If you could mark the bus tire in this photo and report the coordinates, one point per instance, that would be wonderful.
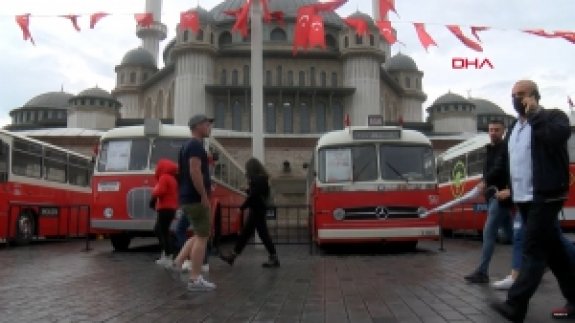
(120, 241)
(25, 227)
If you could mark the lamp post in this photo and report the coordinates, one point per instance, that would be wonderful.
(257, 81)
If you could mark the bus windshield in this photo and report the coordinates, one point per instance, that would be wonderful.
(408, 163)
(344, 164)
(166, 148)
(122, 155)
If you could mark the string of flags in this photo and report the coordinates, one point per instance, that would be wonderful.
(309, 30)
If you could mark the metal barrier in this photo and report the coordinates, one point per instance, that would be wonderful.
(15, 209)
(287, 224)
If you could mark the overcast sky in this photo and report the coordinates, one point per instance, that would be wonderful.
(75, 61)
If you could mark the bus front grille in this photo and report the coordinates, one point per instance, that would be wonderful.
(381, 213)
(138, 200)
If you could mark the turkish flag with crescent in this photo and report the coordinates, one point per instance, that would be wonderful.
(190, 20)
(387, 31)
(465, 40)
(302, 27)
(144, 19)
(24, 22)
(317, 32)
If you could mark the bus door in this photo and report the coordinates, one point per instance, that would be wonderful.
(4, 162)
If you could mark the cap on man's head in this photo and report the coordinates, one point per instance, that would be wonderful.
(198, 119)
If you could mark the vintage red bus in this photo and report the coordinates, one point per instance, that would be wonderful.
(44, 190)
(460, 169)
(371, 184)
(124, 177)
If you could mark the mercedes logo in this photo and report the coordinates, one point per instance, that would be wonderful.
(381, 212)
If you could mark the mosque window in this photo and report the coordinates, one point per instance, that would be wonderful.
(301, 80)
(270, 114)
(225, 38)
(278, 34)
(334, 79)
(304, 117)
(235, 78)
(418, 83)
(133, 77)
(358, 39)
(288, 117)
(371, 40)
(92, 102)
(346, 42)
(312, 76)
(186, 35)
(337, 113)
(144, 77)
(212, 38)
(320, 113)
(122, 78)
(200, 35)
(237, 116)
(407, 82)
(82, 102)
(224, 77)
(268, 78)
(50, 114)
(290, 78)
(246, 75)
(323, 78)
(220, 117)
(102, 103)
(330, 41)
(279, 75)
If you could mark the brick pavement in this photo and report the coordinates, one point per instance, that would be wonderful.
(57, 282)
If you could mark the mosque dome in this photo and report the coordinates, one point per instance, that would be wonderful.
(483, 106)
(139, 57)
(56, 100)
(401, 62)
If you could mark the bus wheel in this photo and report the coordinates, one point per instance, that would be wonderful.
(25, 228)
(120, 242)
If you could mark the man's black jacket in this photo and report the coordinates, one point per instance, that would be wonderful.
(550, 130)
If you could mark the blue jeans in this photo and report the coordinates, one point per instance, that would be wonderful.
(182, 236)
(497, 216)
(518, 233)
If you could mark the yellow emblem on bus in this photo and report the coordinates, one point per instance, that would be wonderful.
(571, 179)
(458, 175)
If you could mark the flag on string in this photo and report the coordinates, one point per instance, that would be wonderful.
(465, 40)
(567, 35)
(423, 36)
(385, 6)
(24, 22)
(95, 17)
(190, 20)
(144, 19)
(74, 20)
(358, 24)
(476, 29)
(387, 31)
(540, 32)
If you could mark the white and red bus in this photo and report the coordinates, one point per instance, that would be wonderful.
(44, 190)
(124, 177)
(460, 168)
(371, 184)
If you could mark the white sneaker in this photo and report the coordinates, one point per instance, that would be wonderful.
(200, 285)
(206, 268)
(503, 284)
(163, 261)
(187, 265)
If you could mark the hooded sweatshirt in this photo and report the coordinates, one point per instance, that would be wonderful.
(166, 189)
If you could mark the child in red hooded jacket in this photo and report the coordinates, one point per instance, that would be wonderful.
(166, 194)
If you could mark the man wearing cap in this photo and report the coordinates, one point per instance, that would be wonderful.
(195, 187)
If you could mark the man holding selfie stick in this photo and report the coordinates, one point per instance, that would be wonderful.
(536, 164)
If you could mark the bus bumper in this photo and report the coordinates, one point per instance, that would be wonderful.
(124, 225)
(413, 233)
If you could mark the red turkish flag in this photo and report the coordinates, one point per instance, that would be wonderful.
(465, 40)
(360, 25)
(540, 32)
(190, 20)
(266, 11)
(423, 36)
(74, 20)
(302, 27)
(144, 19)
(567, 35)
(242, 19)
(278, 16)
(385, 6)
(476, 29)
(331, 5)
(317, 32)
(387, 31)
(95, 17)
(24, 22)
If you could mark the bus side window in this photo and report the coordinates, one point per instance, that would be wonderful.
(475, 161)
(27, 159)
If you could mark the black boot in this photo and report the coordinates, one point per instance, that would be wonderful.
(229, 258)
(272, 262)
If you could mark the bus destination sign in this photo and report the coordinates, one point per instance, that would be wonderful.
(376, 134)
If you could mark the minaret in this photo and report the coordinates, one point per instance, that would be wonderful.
(153, 35)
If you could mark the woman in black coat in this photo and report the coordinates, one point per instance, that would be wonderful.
(256, 202)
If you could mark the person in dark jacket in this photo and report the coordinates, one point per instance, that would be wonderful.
(536, 166)
(256, 202)
(498, 212)
(166, 194)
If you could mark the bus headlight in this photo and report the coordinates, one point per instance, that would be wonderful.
(108, 212)
(421, 211)
(339, 214)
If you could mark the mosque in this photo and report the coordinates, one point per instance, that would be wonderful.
(304, 95)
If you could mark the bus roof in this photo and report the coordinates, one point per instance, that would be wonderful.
(42, 143)
(138, 131)
(345, 136)
(466, 146)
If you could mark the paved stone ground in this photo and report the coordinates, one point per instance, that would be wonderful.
(58, 282)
